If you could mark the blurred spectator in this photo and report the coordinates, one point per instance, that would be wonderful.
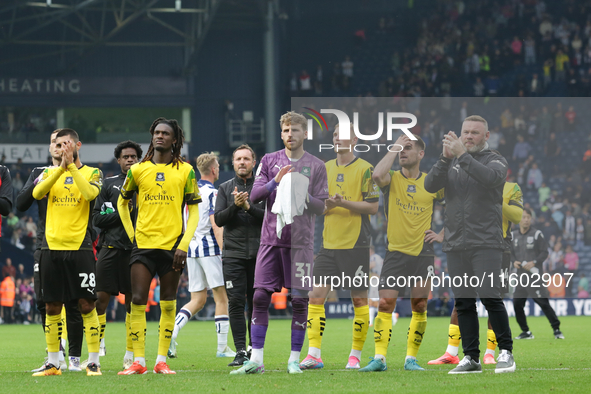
(561, 62)
(571, 116)
(20, 273)
(535, 86)
(305, 83)
(571, 260)
(580, 236)
(569, 228)
(534, 177)
(545, 121)
(543, 193)
(521, 150)
(7, 296)
(8, 269)
(555, 259)
(558, 119)
(478, 88)
(583, 287)
(552, 151)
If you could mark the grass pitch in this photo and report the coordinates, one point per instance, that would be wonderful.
(543, 364)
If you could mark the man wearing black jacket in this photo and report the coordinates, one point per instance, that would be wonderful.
(74, 325)
(113, 272)
(242, 223)
(473, 177)
(529, 249)
(5, 194)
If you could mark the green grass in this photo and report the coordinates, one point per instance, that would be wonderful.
(543, 364)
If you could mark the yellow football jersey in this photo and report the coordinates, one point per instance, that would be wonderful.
(409, 209)
(513, 197)
(345, 229)
(68, 212)
(162, 190)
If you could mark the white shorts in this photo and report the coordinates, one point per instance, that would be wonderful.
(205, 272)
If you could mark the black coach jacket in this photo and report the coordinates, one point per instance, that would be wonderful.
(473, 199)
(242, 229)
(106, 217)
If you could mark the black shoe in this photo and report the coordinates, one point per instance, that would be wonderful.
(249, 352)
(241, 358)
(558, 334)
(525, 335)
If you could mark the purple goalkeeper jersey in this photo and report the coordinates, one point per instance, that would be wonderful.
(299, 234)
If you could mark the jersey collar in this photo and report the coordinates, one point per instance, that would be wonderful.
(416, 179)
(337, 162)
(203, 182)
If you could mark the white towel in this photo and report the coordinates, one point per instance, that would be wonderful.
(292, 195)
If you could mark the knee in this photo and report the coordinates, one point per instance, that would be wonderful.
(465, 305)
(299, 305)
(53, 309)
(387, 305)
(167, 307)
(85, 306)
(261, 298)
(419, 305)
(359, 302)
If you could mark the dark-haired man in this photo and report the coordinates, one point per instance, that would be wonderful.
(164, 184)
(409, 209)
(67, 260)
(112, 267)
(529, 249)
(242, 221)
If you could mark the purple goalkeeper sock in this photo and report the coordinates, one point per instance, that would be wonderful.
(260, 318)
(299, 323)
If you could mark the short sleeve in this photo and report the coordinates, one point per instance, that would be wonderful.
(369, 189)
(129, 186)
(96, 178)
(516, 196)
(192, 195)
(212, 199)
(440, 195)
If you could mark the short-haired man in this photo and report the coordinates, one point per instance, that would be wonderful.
(345, 247)
(242, 222)
(113, 273)
(73, 320)
(528, 252)
(473, 177)
(67, 261)
(409, 209)
(204, 261)
(282, 243)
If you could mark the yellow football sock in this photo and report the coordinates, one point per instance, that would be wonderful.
(64, 325)
(128, 341)
(92, 331)
(360, 327)
(137, 331)
(316, 324)
(382, 332)
(168, 310)
(416, 331)
(491, 340)
(454, 335)
(103, 322)
(53, 332)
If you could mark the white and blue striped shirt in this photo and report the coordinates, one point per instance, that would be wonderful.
(204, 243)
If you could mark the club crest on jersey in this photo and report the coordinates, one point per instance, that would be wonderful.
(69, 181)
(411, 189)
(306, 171)
(159, 177)
(340, 177)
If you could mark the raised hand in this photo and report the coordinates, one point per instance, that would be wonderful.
(282, 173)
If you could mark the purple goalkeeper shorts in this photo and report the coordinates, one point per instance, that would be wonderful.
(279, 267)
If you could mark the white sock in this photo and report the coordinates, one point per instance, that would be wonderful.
(93, 358)
(394, 318)
(355, 353)
(141, 360)
(409, 358)
(63, 342)
(489, 351)
(257, 356)
(453, 350)
(181, 319)
(103, 342)
(372, 314)
(61, 356)
(294, 356)
(160, 359)
(128, 354)
(222, 326)
(381, 357)
(314, 352)
(54, 358)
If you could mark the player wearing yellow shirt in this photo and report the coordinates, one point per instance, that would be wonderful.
(164, 183)
(409, 209)
(512, 213)
(345, 249)
(67, 260)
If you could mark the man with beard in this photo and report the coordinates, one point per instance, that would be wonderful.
(241, 220)
(67, 263)
(473, 177)
(409, 209)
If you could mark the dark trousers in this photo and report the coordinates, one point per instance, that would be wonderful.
(540, 297)
(472, 264)
(239, 279)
